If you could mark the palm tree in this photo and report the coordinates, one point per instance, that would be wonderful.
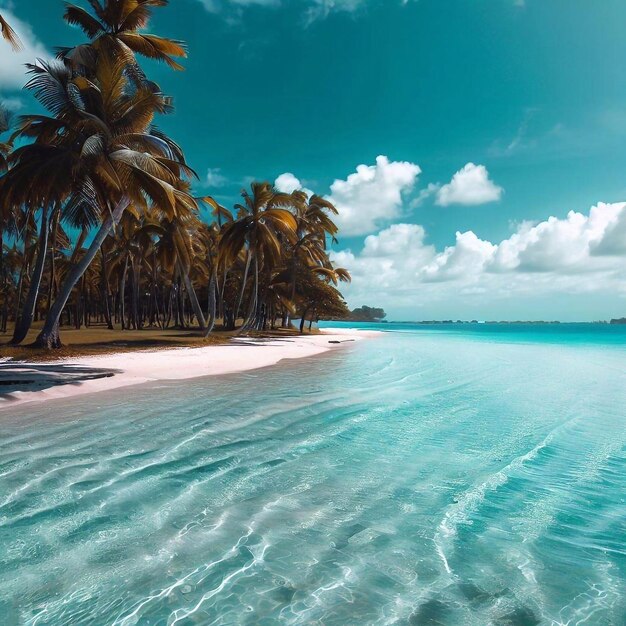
(178, 246)
(95, 163)
(210, 235)
(316, 292)
(24, 320)
(262, 221)
(100, 132)
(13, 262)
(115, 28)
(313, 227)
(8, 34)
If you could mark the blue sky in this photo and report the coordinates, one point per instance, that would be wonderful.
(464, 141)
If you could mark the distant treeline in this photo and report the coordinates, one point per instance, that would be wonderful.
(366, 314)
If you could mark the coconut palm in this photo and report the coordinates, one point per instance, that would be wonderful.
(313, 227)
(95, 164)
(177, 248)
(262, 220)
(210, 235)
(317, 293)
(116, 28)
(25, 318)
(100, 132)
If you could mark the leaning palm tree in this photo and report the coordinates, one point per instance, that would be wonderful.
(23, 319)
(100, 134)
(8, 34)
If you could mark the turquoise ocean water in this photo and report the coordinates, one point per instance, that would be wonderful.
(458, 475)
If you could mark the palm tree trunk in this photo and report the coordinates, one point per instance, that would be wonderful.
(1, 257)
(193, 298)
(20, 286)
(303, 320)
(212, 303)
(170, 306)
(221, 295)
(287, 316)
(180, 302)
(23, 323)
(243, 284)
(78, 318)
(123, 295)
(134, 294)
(254, 298)
(105, 292)
(49, 336)
(138, 300)
(219, 287)
(52, 287)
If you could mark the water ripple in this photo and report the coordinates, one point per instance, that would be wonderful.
(417, 479)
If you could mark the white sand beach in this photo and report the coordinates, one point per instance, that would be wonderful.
(134, 368)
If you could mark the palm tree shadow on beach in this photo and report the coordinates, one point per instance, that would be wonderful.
(22, 377)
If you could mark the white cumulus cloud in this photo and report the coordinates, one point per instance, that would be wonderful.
(470, 186)
(372, 195)
(287, 183)
(572, 245)
(581, 257)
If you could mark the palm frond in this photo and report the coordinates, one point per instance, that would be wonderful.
(76, 16)
(8, 34)
(153, 47)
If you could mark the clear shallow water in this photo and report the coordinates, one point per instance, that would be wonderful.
(424, 477)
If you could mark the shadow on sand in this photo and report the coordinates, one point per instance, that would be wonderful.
(25, 377)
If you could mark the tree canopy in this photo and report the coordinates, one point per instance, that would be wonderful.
(99, 222)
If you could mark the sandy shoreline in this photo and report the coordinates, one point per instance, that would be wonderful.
(134, 368)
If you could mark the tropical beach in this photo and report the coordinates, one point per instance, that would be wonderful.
(220, 222)
(38, 382)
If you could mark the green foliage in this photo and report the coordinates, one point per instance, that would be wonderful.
(367, 314)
